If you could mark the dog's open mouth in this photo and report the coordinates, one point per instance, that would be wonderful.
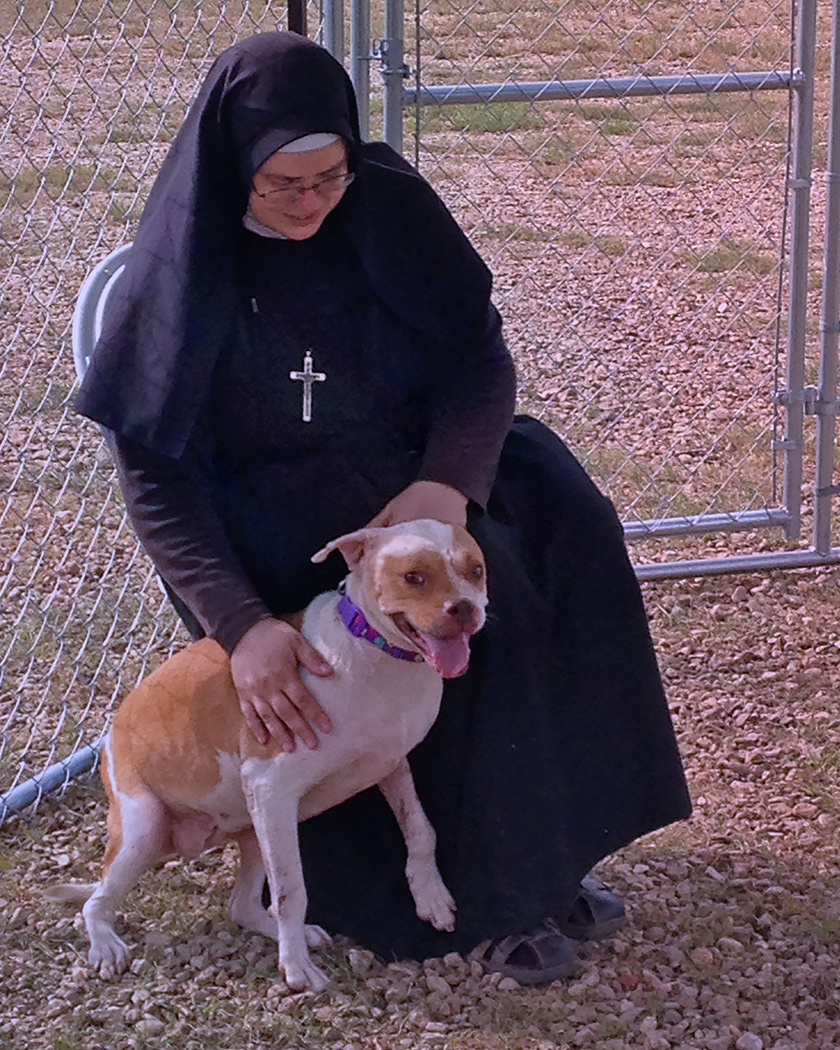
(450, 655)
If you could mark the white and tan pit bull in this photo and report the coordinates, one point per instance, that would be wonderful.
(183, 773)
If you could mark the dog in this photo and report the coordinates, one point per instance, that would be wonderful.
(183, 773)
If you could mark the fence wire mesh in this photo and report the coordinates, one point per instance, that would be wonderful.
(636, 242)
(92, 92)
(635, 245)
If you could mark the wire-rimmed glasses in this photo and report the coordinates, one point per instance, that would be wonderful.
(291, 190)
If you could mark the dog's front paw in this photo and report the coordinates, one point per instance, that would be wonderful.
(302, 975)
(109, 955)
(434, 903)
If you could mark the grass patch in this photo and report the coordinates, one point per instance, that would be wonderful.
(574, 239)
(125, 131)
(611, 244)
(619, 127)
(490, 117)
(125, 212)
(731, 254)
(67, 1041)
(664, 178)
(62, 181)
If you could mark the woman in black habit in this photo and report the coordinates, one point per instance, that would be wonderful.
(303, 342)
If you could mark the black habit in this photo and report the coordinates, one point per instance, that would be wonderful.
(556, 748)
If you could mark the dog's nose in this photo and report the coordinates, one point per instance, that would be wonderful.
(462, 612)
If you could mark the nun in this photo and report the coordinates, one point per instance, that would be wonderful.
(303, 342)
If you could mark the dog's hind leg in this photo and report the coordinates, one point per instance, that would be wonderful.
(137, 829)
(432, 899)
(273, 805)
(245, 906)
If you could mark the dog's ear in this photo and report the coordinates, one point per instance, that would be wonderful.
(352, 546)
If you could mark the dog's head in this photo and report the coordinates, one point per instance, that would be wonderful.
(421, 584)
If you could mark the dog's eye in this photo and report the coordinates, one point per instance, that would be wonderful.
(416, 579)
(476, 572)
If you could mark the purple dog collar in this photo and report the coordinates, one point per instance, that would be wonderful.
(357, 625)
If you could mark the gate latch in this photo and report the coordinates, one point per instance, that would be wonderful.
(809, 398)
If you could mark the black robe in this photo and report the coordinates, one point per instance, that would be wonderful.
(556, 747)
(554, 750)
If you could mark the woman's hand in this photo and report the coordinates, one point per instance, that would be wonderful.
(424, 499)
(266, 672)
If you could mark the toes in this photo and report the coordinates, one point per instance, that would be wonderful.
(442, 918)
(438, 908)
(446, 923)
(109, 957)
(303, 977)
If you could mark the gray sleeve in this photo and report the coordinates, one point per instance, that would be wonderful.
(180, 531)
(471, 413)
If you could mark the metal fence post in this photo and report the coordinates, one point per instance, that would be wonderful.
(800, 188)
(333, 28)
(360, 57)
(394, 72)
(297, 16)
(830, 313)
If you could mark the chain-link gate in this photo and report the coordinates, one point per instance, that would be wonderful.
(640, 181)
(650, 250)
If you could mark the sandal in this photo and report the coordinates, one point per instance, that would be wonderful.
(539, 957)
(595, 914)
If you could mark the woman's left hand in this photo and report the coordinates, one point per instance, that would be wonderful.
(424, 499)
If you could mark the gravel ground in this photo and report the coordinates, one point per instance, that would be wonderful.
(731, 941)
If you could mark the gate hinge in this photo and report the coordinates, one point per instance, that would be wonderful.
(379, 49)
(809, 398)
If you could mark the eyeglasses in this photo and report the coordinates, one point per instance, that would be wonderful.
(291, 190)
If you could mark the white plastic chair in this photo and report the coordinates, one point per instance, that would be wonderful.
(90, 306)
(87, 326)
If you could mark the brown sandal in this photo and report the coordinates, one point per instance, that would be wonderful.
(595, 914)
(539, 957)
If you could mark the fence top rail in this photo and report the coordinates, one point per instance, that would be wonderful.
(742, 563)
(692, 525)
(605, 87)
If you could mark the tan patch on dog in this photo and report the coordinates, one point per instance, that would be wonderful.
(175, 722)
(415, 584)
(468, 557)
(420, 583)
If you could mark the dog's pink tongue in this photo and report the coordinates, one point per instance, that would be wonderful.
(448, 656)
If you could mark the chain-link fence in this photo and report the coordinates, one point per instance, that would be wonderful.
(635, 227)
(636, 245)
(91, 95)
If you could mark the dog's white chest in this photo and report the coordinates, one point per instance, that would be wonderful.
(380, 707)
(372, 733)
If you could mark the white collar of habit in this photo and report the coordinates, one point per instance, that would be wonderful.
(253, 225)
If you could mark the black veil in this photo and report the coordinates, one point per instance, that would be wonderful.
(175, 303)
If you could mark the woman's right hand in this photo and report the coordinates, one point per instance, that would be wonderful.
(265, 665)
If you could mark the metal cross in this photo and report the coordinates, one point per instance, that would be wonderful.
(307, 377)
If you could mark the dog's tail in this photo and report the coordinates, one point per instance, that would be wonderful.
(70, 893)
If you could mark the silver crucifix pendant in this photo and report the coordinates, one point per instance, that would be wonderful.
(307, 377)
